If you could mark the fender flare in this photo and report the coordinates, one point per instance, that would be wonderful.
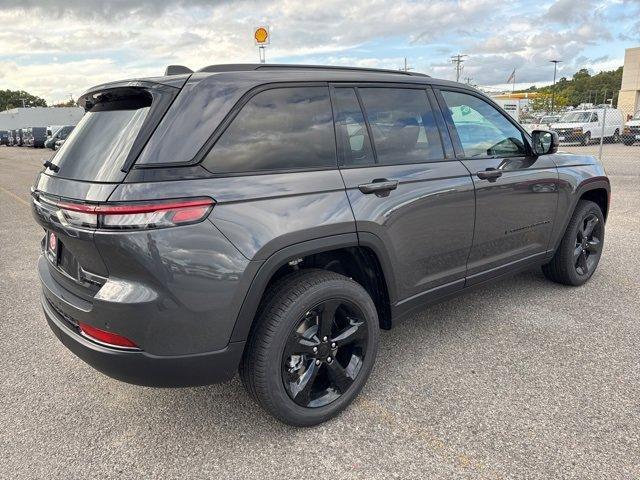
(596, 183)
(270, 266)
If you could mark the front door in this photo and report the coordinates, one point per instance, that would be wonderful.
(403, 189)
(516, 192)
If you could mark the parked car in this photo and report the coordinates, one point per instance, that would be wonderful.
(631, 131)
(4, 137)
(37, 137)
(543, 123)
(27, 137)
(12, 140)
(19, 139)
(60, 134)
(52, 129)
(310, 207)
(585, 125)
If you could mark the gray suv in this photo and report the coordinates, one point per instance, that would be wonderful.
(272, 218)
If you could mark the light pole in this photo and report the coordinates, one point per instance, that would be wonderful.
(553, 91)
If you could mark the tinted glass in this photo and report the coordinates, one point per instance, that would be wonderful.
(402, 125)
(284, 128)
(98, 146)
(354, 144)
(482, 129)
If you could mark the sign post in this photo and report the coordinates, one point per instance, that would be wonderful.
(262, 37)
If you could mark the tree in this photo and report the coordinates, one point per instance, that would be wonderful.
(69, 103)
(582, 88)
(18, 98)
(542, 102)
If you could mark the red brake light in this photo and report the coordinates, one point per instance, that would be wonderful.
(109, 338)
(135, 215)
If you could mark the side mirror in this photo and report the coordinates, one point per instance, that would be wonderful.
(545, 142)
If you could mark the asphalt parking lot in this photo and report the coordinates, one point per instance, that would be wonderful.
(521, 379)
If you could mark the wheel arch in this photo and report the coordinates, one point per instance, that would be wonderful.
(596, 189)
(365, 259)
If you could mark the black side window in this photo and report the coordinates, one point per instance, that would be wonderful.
(483, 130)
(354, 143)
(402, 125)
(282, 128)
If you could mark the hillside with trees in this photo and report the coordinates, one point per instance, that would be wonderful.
(581, 88)
(18, 98)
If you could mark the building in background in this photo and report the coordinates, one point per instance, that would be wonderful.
(514, 103)
(39, 117)
(629, 99)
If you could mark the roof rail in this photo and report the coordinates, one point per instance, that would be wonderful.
(176, 70)
(235, 67)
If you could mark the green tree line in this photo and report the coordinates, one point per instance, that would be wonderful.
(14, 99)
(581, 88)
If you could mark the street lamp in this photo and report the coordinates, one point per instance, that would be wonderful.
(553, 91)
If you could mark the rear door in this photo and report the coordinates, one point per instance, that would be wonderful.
(516, 192)
(404, 186)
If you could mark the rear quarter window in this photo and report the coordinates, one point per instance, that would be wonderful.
(278, 129)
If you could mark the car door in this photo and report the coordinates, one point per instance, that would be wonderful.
(403, 189)
(516, 191)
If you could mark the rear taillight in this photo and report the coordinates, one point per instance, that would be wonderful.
(108, 338)
(128, 216)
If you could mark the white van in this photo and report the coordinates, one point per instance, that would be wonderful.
(585, 125)
(631, 131)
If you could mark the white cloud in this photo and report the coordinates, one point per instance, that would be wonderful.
(62, 47)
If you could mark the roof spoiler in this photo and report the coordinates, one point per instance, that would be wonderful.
(177, 70)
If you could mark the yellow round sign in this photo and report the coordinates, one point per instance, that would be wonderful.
(261, 35)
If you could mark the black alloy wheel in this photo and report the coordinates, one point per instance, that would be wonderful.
(324, 353)
(578, 254)
(312, 348)
(588, 245)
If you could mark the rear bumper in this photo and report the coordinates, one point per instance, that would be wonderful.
(141, 368)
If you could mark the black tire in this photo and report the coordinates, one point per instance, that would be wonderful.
(586, 139)
(579, 252)
(264, 368)
(616, 137)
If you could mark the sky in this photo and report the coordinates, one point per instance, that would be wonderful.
(55, 49)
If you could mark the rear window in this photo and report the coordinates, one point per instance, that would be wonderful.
(97, 148)
(278, 129)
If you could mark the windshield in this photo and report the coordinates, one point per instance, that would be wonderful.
(576, 117)
(549, 119)
(97, 148)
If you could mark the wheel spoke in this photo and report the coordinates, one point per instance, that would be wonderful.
(301, 389)
(355, 331)
(297, 344)
(593, 245)
(576, 253)
(326, 317)
(591, 224)
(582, 263)
(338, 376)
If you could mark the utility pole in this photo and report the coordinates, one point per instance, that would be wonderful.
(406, 67)
(458, 60)
(553, 91)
